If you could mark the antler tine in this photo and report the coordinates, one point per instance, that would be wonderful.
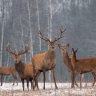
(8, 49)
(25, 51)
(60, 35)
(41, 36)
(62, 30)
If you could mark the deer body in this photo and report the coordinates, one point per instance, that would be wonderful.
(46, 61)
(8, 71)
(83, 65)
(24, 70)
(67, 62)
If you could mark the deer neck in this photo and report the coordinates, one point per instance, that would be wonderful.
(51, 54)
(73, 60)
(20, 67)
(66, 58)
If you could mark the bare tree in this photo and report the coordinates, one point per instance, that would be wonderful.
(38, 21)
(50, 28)
(29, 16)
(2, 36)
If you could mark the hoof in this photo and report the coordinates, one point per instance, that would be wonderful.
(43, 88)
(76, 85)
(72, 87)
(56, 87)
(36, 88)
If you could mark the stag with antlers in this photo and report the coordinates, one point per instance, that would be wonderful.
(24, 70)
(46, 61)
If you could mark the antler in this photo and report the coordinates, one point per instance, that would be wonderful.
(41, 36)
(60, 34)
(25, 51)
(8, 49)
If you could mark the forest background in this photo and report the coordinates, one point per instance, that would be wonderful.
(20, 21)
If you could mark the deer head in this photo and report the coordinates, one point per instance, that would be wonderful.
(73, 53)
(51, 44)
(17, 56)
(63, 48)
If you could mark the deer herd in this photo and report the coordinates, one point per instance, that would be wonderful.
(46, 62)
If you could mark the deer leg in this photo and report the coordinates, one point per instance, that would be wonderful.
(52, 71)
(36, 80)
(44, 78)
(16, 80)
(94, 75)
(28, 83)
(81, 77)
(22, 80)
(13, 78)
(73, 80)
(31, 82)
(1, 79)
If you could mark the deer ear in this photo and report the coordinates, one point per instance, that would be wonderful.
(56, 42)
(59, 45)
(21, 55)
(72, 49)
(76, 50)
(68, 45)
(48, 42)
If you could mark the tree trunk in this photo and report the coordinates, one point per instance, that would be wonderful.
(31, 42)
(38, 23)
(50, 28)
(2, 36)
(22, 41)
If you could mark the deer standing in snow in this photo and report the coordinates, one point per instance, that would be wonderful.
(67, 62)
(25, 70)
(46, 61)
(8, 71)
(83, 65)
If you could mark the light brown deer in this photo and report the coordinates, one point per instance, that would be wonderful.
(8, 71)
(67, 62)
(83, 65)
(46, 61)
(24, 69)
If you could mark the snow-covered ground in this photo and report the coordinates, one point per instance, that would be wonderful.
(63, 90)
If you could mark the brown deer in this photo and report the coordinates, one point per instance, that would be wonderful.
(83, 65)
(67, 62)
(46, 61)
(8, 71)
(24, 70)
